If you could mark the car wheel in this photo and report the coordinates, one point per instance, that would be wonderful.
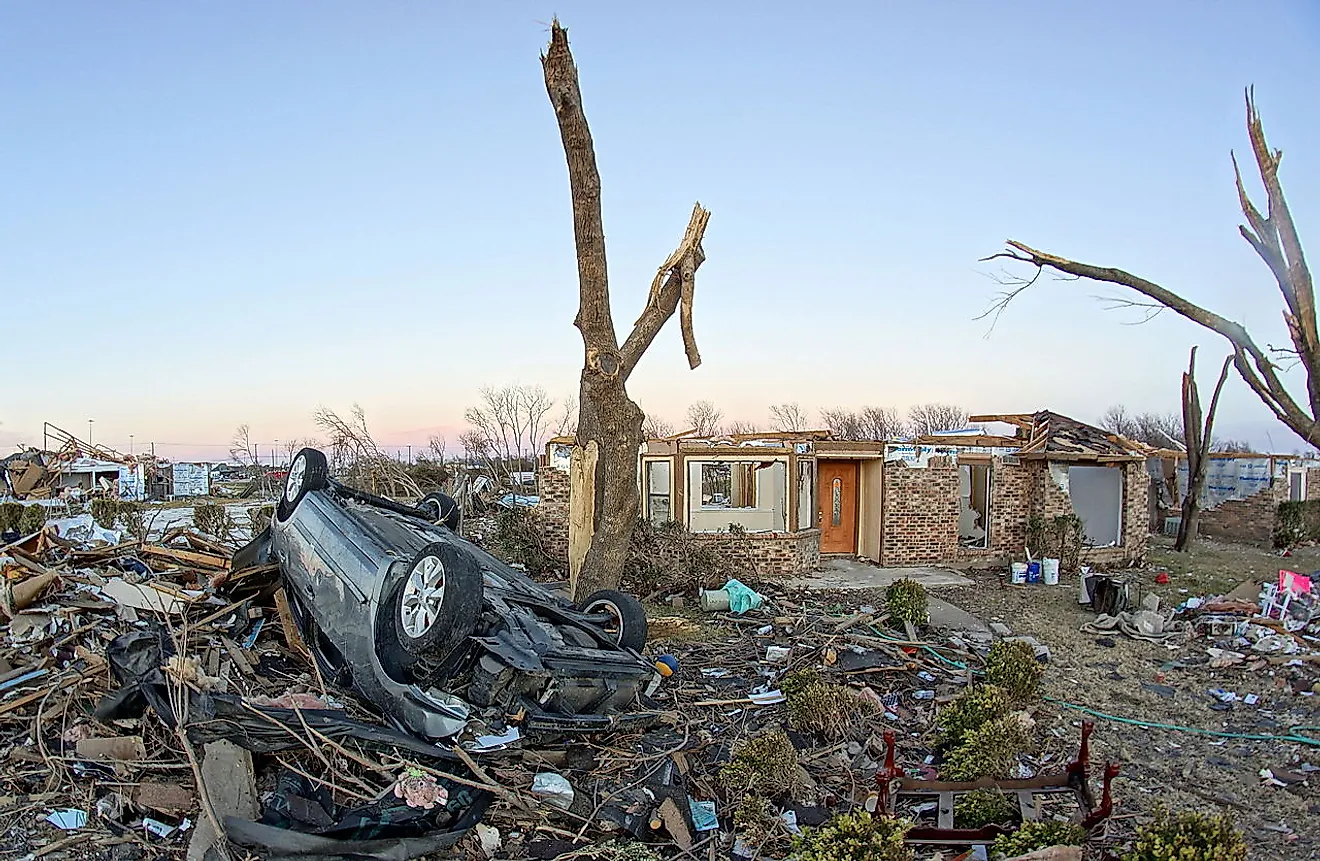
(446, 511)
(437, 604)
(309, 471)
(628, 625)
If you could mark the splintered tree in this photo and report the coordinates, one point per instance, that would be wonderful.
(1197, 441)
(1273, 237)
(604, 497)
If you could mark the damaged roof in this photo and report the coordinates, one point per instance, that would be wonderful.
(1051, 436)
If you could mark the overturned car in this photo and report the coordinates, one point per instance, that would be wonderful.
(429, 628)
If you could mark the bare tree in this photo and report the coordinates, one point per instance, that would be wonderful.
(842, 423)
(881, 423)
(655, 427)
(604, 505)
(512, 421)
(355, 456)
(1229, 446)
(788, 417)
(1158, 430)
(242, 449)
(704, 417)
(925, 419)
(567, 416)
(293, 446)
(1197, 442)
(739, 426)
(1273, 236)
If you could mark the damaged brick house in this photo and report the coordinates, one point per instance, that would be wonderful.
(944, 499)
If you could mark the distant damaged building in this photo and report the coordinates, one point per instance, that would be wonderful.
(960, 498)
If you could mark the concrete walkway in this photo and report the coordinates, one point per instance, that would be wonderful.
(843, 573)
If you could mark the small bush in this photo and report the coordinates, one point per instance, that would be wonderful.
(1188, 836)
(905, 601)
(854, 837)
(1038, 835)
(213, 519)
(669, 557)
(11, 513)
(982, 807)
(132, 517)
(991, 750)
(104, 511)
(260, 518)
(970, 711)
(1296, 522)
(1012, 665)
(815, 705)
(765, 765)
(753, 819)
(34, 517)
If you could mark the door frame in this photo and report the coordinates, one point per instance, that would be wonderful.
(856, 503)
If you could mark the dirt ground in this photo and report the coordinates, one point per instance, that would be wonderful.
(1145, 681)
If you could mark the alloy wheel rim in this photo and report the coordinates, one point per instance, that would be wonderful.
(423, 596)
(293, 481)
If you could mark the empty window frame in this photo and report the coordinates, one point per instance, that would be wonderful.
(1097, 498)
(974, 505)
(1297, 485)
(806, 508)
(659, 492)
(728, 484)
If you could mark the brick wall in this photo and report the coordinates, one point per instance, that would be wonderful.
(1010, 504)
(551, 514)
(919, 520)
(773, 554)
(1251, 519)
(1049, 500)
(552, 485)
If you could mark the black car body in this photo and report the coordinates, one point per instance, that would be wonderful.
(431, 630)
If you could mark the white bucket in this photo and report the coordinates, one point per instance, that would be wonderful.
(1018, 573)
(1049, 571)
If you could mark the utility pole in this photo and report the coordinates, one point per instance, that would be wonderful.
(274, 453)
(89, 431)
(130, 445)
(410, 455)
(153, 451)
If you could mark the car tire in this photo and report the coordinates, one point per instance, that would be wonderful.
(629, 628)
(447, 511)
(438, 601)
(308, 471)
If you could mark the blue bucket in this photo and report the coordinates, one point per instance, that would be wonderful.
(1033, 572)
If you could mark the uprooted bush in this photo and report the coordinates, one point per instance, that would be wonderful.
(1012, 665)
(990, 750)
(260, 518)
(753, 820)
(1038, 835)
(1188, 836)
(854, 837)
(905, 601)
(34, 517)
(817, 706)
(971, 710)
(982, 807)
(766, 765)
(11, 513)
(132, 517)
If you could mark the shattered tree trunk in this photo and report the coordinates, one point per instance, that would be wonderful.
(1273, 236)
(1197, 440)
(605, 494)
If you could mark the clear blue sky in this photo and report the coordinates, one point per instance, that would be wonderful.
(223, 213)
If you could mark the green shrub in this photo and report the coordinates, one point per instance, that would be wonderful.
(815, 705)
(11, 513)
(1296, 522)
(905, 601)
(1188, 836)
(669, 557)
(1038, 835)
(753, 819)
(972, 709)
(34, 517)
(854, 837)
(990, 750)
(1012, 665)
(765, 765)
(982, 807)
(104, 511)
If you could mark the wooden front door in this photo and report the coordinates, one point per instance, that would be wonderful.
(838, 505)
